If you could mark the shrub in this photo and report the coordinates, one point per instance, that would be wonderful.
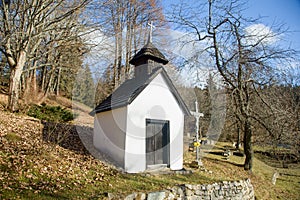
(51, 113)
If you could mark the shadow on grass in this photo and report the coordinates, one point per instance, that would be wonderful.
(76, 138)
(218, 153)
(64, 135)
(223, 160)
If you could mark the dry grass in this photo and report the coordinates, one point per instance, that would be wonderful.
(287, 185)
(3, 100)
(33, 168)
(78, 108)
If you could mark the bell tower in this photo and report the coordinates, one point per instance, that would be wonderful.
(147, 59)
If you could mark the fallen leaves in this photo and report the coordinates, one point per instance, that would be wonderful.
(29, 163)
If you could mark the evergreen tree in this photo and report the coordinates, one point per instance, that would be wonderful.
(84, 87)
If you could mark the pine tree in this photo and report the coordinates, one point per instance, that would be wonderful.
(84, 87)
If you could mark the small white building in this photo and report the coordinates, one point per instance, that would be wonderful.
(140, 125)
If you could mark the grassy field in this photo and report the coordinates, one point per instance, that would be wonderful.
(31, 168)
(287, 185)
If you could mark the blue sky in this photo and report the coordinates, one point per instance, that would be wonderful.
(284, 11)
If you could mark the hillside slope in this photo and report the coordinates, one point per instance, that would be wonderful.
(33, 166)
(29, 164)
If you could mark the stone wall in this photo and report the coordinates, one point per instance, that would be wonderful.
(233, 190)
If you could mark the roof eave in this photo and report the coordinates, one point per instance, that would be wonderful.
(134, 60)
(107, 109)
(176, 94)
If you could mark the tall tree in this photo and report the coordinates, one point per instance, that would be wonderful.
(282, 116)
(4, 74)
(23, 25)
(125, 22)
(104, 86)
(84, 87)
(244, 55)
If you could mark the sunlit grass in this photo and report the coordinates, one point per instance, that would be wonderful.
(94, 181)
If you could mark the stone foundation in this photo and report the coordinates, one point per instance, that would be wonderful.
(233, 190)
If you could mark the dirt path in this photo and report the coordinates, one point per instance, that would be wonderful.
(84, 119)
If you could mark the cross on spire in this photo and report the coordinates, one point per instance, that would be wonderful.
(151, 31)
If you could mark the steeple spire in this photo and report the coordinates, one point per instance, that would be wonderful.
(148, 58)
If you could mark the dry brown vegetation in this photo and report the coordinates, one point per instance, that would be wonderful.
(32, 167)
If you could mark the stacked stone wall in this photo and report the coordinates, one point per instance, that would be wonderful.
(233, 190)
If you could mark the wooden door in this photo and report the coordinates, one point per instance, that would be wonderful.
(157, 142)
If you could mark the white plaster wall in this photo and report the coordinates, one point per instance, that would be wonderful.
(109, 133)
(154, 102)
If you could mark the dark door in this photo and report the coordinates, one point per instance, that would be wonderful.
(157, 142)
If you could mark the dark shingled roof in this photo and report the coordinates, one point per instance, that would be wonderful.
(130, 89)
(151, 52)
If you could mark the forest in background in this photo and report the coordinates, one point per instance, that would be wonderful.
(43, 53)
(46, 49)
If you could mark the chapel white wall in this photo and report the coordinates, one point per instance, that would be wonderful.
(109, 133)
(155, 102)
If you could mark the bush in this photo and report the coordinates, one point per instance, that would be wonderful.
(51, 113)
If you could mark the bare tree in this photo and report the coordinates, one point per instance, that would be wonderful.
(126, 23)
(281, 119)
(244, 52)
(23, 25)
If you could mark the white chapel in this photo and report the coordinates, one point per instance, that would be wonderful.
(140, 125)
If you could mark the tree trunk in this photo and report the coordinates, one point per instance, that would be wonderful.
(115, 63)
(26, 86)
(128, 49)
(48, 87)
(44, 72)
(119, 66)
(58, 81)
(129, 25)
(14, 82)
(238, 136)
(248, 145)
(119, 44)
(33, 83)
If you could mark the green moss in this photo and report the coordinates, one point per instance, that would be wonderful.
(51, 113)
(12, 137)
